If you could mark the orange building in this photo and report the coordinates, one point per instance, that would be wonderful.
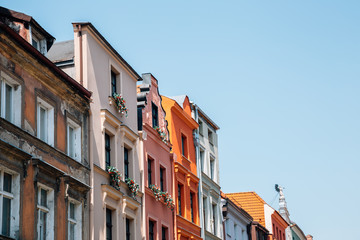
(261, 213)
(181, 126)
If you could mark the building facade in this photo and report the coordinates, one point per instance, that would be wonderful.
(181, 127)
(206, 148)
(44, 130)
(116, 195)
(262, 213)
(237, 221)
(158, 201)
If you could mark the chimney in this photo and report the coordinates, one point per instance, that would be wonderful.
(309, 237)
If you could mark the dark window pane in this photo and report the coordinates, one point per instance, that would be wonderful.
(162, 170)
(155, 118)
(108, 224)
(126, 162)
(192, 206)
(151, 230)
(7, 182)
(72, 210)
(6, 216)
(107, 151)
(8, 102)
(179, 199)
(113, 83)
(163, 233)
(43, 197)
(183, 145)
(128, 231)
(149, 172)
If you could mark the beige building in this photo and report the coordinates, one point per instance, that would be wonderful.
(115, 212)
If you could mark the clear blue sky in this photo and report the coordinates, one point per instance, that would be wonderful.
(281, 79)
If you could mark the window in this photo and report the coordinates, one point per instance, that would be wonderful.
(128, 229)
(163, 233)
(10, 100)
(214, 218)
(151, 230)
(155, 118)
(210, 136)
(38, 42)
(107, 151)
(162, 179)
(201, 126)
(202, 154)
(212, 165)
(126, 163)
(74, 220)
(179, 199)
(113, 83)
(74, 140)
(150, 171)
(45, 122)
(204, 213)
(9, 208)
(45, 207)
(183, 146)
(192, 206)
(108, 224)
(35, 43)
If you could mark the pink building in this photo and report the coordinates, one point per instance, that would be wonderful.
(157, 160)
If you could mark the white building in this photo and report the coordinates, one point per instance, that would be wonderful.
(115, 213)
(206, 145)
(236, 221)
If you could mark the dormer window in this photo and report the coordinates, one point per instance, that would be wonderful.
(38, 41)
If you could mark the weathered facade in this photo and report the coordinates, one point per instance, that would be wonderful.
(158, 202)
(116, 211)
(207, 161)
(44, 128)
(181, 126)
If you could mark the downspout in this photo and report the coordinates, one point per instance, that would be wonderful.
(81, 55)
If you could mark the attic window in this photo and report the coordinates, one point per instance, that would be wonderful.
(38, 42)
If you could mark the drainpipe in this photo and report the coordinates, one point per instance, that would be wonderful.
(81, 54)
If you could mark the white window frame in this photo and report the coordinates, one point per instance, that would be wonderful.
(49, 128)
(15, 114)
(78, 218)
(15, 201)
(41, 41)
(49, 209)
(76, 146)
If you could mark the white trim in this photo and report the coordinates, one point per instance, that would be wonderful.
(78, 218)
(49, 124)
(76, 142)
(15, 114)
(49, 209)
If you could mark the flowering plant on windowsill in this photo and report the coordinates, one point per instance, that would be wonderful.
(168, 200)
(133, 186)
(120, 103)
(156, 191)
(161, 133)
(115, 177)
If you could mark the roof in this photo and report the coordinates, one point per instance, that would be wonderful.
(235, 206)
(21, 17)
(61, 51)
(179, 99)
(41, 58)
(251, 203)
